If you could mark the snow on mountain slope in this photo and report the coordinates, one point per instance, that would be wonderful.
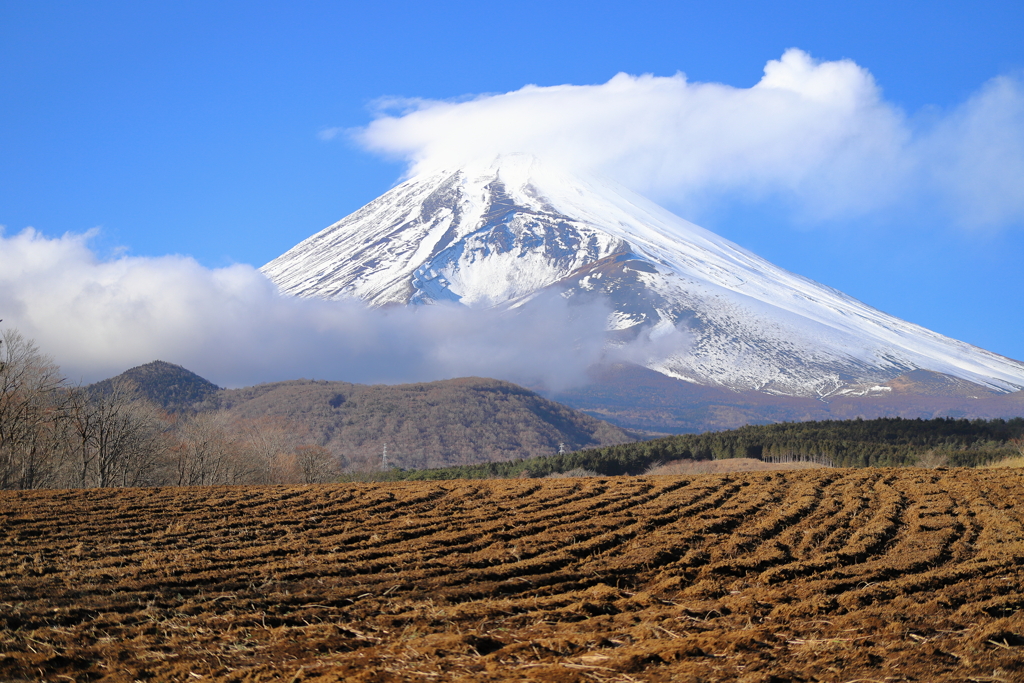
(498, 234)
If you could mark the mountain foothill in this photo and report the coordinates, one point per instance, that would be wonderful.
(430, 424)
(461, 423)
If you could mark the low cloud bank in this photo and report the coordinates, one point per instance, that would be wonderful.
(820, 135)
(98, 318)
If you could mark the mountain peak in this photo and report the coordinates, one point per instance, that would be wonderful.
(501, 231)
(166, 384)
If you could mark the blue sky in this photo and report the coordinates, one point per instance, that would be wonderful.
(197, 128)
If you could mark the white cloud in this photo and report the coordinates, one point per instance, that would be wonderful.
(975, 156)
(327, 134)
(818, 134)
(98, 318)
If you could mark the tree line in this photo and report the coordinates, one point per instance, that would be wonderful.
(882, 442)
(57, 435)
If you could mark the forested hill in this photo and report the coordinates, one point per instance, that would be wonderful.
(884, 442)
(430, 424)
(170, 386)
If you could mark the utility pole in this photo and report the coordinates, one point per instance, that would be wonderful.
(384, 457)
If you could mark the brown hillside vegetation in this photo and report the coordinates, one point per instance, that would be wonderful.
(814, 575)
(431, 424)
(169, 386)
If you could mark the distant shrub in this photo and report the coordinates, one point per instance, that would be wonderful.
(575, 472)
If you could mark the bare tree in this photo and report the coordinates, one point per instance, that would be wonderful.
(128, 436)
(113, 438)
(55, 435)
(213, 449)
(268, 443)
(80, 436)
(206, 451)
(316, 464)
(31, 411)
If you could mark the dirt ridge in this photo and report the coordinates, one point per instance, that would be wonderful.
(811, 575)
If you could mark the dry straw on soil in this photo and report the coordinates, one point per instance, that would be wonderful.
(726, 465)
(814, 575)
(1008, 462)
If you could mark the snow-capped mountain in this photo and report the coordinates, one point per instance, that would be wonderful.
(500, 233)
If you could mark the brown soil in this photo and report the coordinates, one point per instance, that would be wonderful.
(814, 575)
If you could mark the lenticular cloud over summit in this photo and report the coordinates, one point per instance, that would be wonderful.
(819, 134)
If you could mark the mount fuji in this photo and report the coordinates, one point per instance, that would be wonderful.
(501, 233)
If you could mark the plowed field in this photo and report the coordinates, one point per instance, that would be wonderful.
(814, 575)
